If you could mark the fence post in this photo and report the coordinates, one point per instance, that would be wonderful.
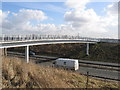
(87, 80)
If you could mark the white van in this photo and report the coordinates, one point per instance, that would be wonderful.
(72, 64)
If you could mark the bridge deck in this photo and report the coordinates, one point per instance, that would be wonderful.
(39, 42)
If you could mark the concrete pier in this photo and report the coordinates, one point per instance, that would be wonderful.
(87, 49)
(4, 51)
(27, 54)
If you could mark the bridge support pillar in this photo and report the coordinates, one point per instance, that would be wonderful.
(4, 52)
(87, 49)
(27, 54)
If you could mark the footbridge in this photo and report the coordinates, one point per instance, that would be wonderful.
(31, 40)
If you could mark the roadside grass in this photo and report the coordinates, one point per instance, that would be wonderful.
(18, 74)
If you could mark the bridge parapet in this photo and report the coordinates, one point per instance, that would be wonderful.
(12, 38)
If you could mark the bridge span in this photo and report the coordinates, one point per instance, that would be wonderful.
(31, 40)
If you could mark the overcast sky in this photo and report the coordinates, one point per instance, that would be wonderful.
(89, 19)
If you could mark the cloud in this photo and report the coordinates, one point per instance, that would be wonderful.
(84, 17)
(77, 4)
(0, 13)
(22, 21)
(3, 20)
(87, 22)
(78, 19)
(0, 17)
(3, 15)
(112, 8)
(84, 20)
(27, 14)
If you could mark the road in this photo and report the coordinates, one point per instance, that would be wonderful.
(101, 73)
(108, 74)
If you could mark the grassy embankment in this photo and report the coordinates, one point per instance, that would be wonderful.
(19, 74)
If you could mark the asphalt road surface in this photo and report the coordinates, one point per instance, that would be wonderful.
(108, 74)
(101, 73)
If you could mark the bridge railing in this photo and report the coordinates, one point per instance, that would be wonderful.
(6, 38)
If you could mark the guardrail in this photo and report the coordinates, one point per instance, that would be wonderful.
(100, 64)
(6, 38)
(106, 78)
